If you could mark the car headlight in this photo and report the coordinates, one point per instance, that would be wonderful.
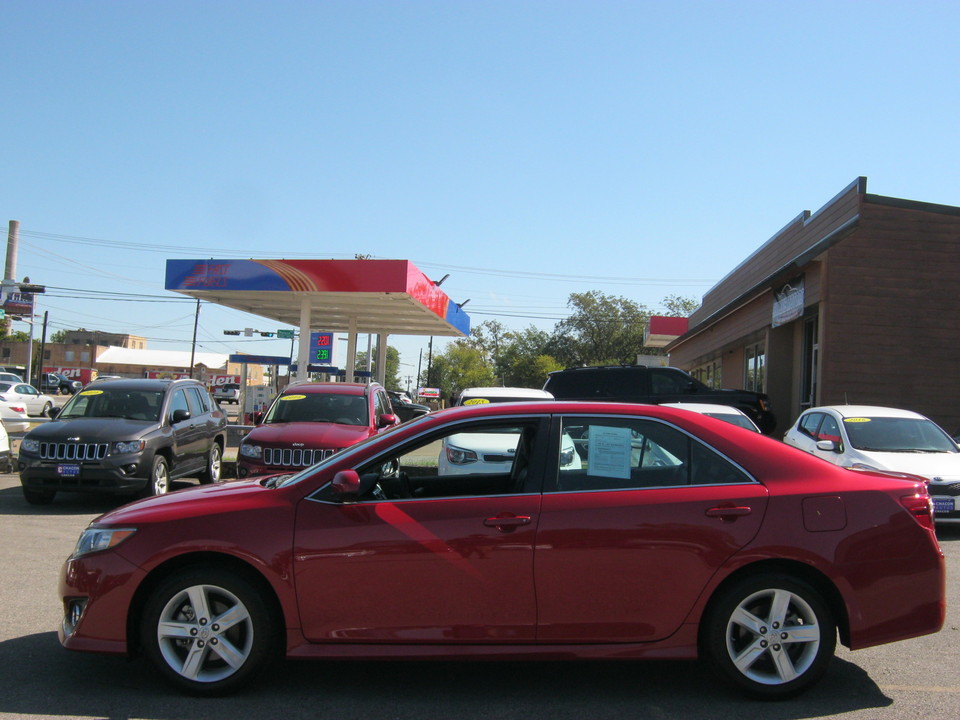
(251, 451)
(863, 466)
(95, 539)
(29, 445)
(459, 456)
(566, 456)
(127, 446)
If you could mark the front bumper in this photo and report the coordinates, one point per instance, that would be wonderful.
(119, 475)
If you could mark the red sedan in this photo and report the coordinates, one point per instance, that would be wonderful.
(662, 534)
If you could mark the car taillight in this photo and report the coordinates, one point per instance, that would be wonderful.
(921, 507)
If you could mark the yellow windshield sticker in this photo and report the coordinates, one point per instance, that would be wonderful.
(284, 398)
(476, 401)
(91, 392)
(856, 419)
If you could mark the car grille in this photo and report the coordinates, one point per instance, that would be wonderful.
(290, 457)
(952, 489)
(73, 451)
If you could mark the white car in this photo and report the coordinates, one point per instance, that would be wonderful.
(727, 413)
(10, 377)
(6, 465)
(485, 395)
(14, 417)
(482, 453)
(32, 399)
(864, 437)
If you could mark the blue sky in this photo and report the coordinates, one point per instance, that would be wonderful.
(529, 149)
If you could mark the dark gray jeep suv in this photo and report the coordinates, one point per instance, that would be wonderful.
(125, 437)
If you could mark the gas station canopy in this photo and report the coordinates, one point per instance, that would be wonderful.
(386, 297)
(366, 296)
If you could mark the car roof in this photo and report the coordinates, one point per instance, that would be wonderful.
(329, 388)
(710, 408)
(498, 392)
(849, 411)
(144, 383)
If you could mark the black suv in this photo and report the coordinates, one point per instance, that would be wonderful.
(639, 384)
(125, 436)
(59, 384)
(403, 408)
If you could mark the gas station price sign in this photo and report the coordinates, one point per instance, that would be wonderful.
(321, 348)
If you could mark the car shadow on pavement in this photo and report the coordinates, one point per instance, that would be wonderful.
(43, 679)
(12, 501)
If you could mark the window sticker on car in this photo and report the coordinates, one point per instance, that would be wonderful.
(285, 398)
(91, 392)
(609, 451)
(476, 401)
(856, 420)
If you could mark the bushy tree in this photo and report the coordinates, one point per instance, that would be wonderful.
(392, 376)
(602, 329)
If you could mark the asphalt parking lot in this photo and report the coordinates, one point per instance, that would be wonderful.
(914, 679)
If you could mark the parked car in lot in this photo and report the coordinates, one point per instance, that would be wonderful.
(5, 461)
(310, 421)
(58, 384)
(639, 384)
(227, 393)
(679, 536)
(9, 377)
(36, 403)
(14, 416)
(879, 438)
(722, 412)
(486, 395)
(125, 437)
(404, 408)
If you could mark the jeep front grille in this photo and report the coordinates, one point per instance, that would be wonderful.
(77, 452)
(290, 457)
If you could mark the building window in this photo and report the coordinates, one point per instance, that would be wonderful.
(85, 356)
(709, 374)
(756, 357)
(6, 352)
(68, 355)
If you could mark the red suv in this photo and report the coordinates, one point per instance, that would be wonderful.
(310, 421)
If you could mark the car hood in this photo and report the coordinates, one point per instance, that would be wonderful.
(942, 465)
(92, 429)
(310, 434)
(190, 502)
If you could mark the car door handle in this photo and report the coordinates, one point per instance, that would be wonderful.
(729, 513)
(507, 523)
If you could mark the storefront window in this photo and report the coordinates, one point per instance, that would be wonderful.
(709, 374)
(756, 357)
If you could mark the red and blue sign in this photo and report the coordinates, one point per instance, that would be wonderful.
(321, 348)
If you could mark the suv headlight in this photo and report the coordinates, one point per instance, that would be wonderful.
(460, 456)
(32, 446)
(126, 447)
(251, 451)
(96, 539)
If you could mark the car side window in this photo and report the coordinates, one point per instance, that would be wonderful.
(809, 424)
(829, 429)
(468, 461)
(668, 383)
(196, 402)
(382, 404)
(626, 453)
(178, 401)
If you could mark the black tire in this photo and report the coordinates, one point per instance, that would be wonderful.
(47, 409)
(772, 635)
(214, 469)
(190, 648)
(38, 497)
(158, 483)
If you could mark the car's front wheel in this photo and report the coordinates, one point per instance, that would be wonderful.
(159, 481)
(771, 634)
(47, 409)
(214, 468)
(209, 631)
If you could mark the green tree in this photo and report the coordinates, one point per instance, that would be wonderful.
(460, 366)
(677, 306)
(392, 376)
(602, 329)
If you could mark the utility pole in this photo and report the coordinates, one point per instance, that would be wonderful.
(10, 270)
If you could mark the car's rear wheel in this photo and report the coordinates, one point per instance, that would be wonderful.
(38, 497)
(209, 631)
(212, 473)
(771, 634)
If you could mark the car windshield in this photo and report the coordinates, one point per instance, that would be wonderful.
(886, 434)
(114, 402)
(319, 407)
(738, 420)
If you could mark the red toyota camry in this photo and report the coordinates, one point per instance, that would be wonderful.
(598, 531)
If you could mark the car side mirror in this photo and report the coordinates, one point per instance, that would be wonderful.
(54, 411)
(386, 420)
(828, 446)
(348, 486)
(257, 417)
(179, 415)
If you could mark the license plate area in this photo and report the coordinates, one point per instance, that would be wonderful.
(68, 470)
(944, 504)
